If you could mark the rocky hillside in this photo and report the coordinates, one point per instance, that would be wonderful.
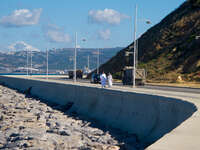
(169, 49)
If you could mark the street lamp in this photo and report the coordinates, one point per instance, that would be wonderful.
(134, 46)
(31, 62)
(88, 62)
(98, 61)
(135, 58)
(75, 57)
(27, 62)
(47, 63)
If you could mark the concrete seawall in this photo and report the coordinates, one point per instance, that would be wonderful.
(148, 116)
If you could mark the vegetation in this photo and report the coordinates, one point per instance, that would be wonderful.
(195, 3)
(169, 50)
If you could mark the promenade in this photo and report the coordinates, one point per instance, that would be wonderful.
(185, 136)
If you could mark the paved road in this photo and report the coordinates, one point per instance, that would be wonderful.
(171, 88)
(149, 86)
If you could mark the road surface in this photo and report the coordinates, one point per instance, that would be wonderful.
(149, 86)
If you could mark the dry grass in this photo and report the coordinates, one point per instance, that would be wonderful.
(176, 84)
(184, 84)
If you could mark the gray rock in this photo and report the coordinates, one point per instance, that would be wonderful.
(63, 133)
(3, 139)
(29, 124)
(9, 145)
(11, 132)
(1, 117)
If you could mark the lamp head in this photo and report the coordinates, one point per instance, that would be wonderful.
(148, 22)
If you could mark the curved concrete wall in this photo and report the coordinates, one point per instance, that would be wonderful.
(147, 116)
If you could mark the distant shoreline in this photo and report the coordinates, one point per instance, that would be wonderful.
(29, 74)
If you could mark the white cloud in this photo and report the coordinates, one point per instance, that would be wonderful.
(58, 37)
(109, 16)
(22, 46)
(105, 35)
(55, 34)
(21, 17)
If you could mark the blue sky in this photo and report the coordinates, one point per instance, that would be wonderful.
(41, 24)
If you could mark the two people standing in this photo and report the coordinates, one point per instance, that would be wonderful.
(104, 79)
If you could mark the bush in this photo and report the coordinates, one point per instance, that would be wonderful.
(195, 3)
(117, 75)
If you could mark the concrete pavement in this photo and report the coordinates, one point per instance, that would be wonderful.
(184, 137)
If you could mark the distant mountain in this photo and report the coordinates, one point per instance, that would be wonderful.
(169, 49)
(22, 46)
(59, 59)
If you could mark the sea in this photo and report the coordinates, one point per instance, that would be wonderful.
(29, 74)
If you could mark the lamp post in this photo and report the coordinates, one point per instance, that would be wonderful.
(88, 63)
(31, 62)
(98, 61)
(47, 64)
(135, 51)
(135, 46)
(88, 58)
(75, 57)
(27, 62)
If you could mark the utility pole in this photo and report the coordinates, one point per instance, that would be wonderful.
(47, 73)
(88, 62)
(31, 62)
(98, 61)
(27, 63)
(136, 54)
(75, 57)
(135, 46)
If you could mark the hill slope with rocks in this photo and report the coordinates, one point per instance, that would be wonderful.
(169, 49)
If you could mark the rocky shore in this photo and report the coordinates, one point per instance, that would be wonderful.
(33, 124)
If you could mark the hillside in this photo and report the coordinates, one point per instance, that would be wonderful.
(59, 59)
(169, 49)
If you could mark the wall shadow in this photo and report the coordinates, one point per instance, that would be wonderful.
(172, 113)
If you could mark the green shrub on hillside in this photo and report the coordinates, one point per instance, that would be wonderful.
(195, 3)
(117, 75)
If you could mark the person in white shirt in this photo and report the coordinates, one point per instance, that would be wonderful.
(103, 80)
(110, 80)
